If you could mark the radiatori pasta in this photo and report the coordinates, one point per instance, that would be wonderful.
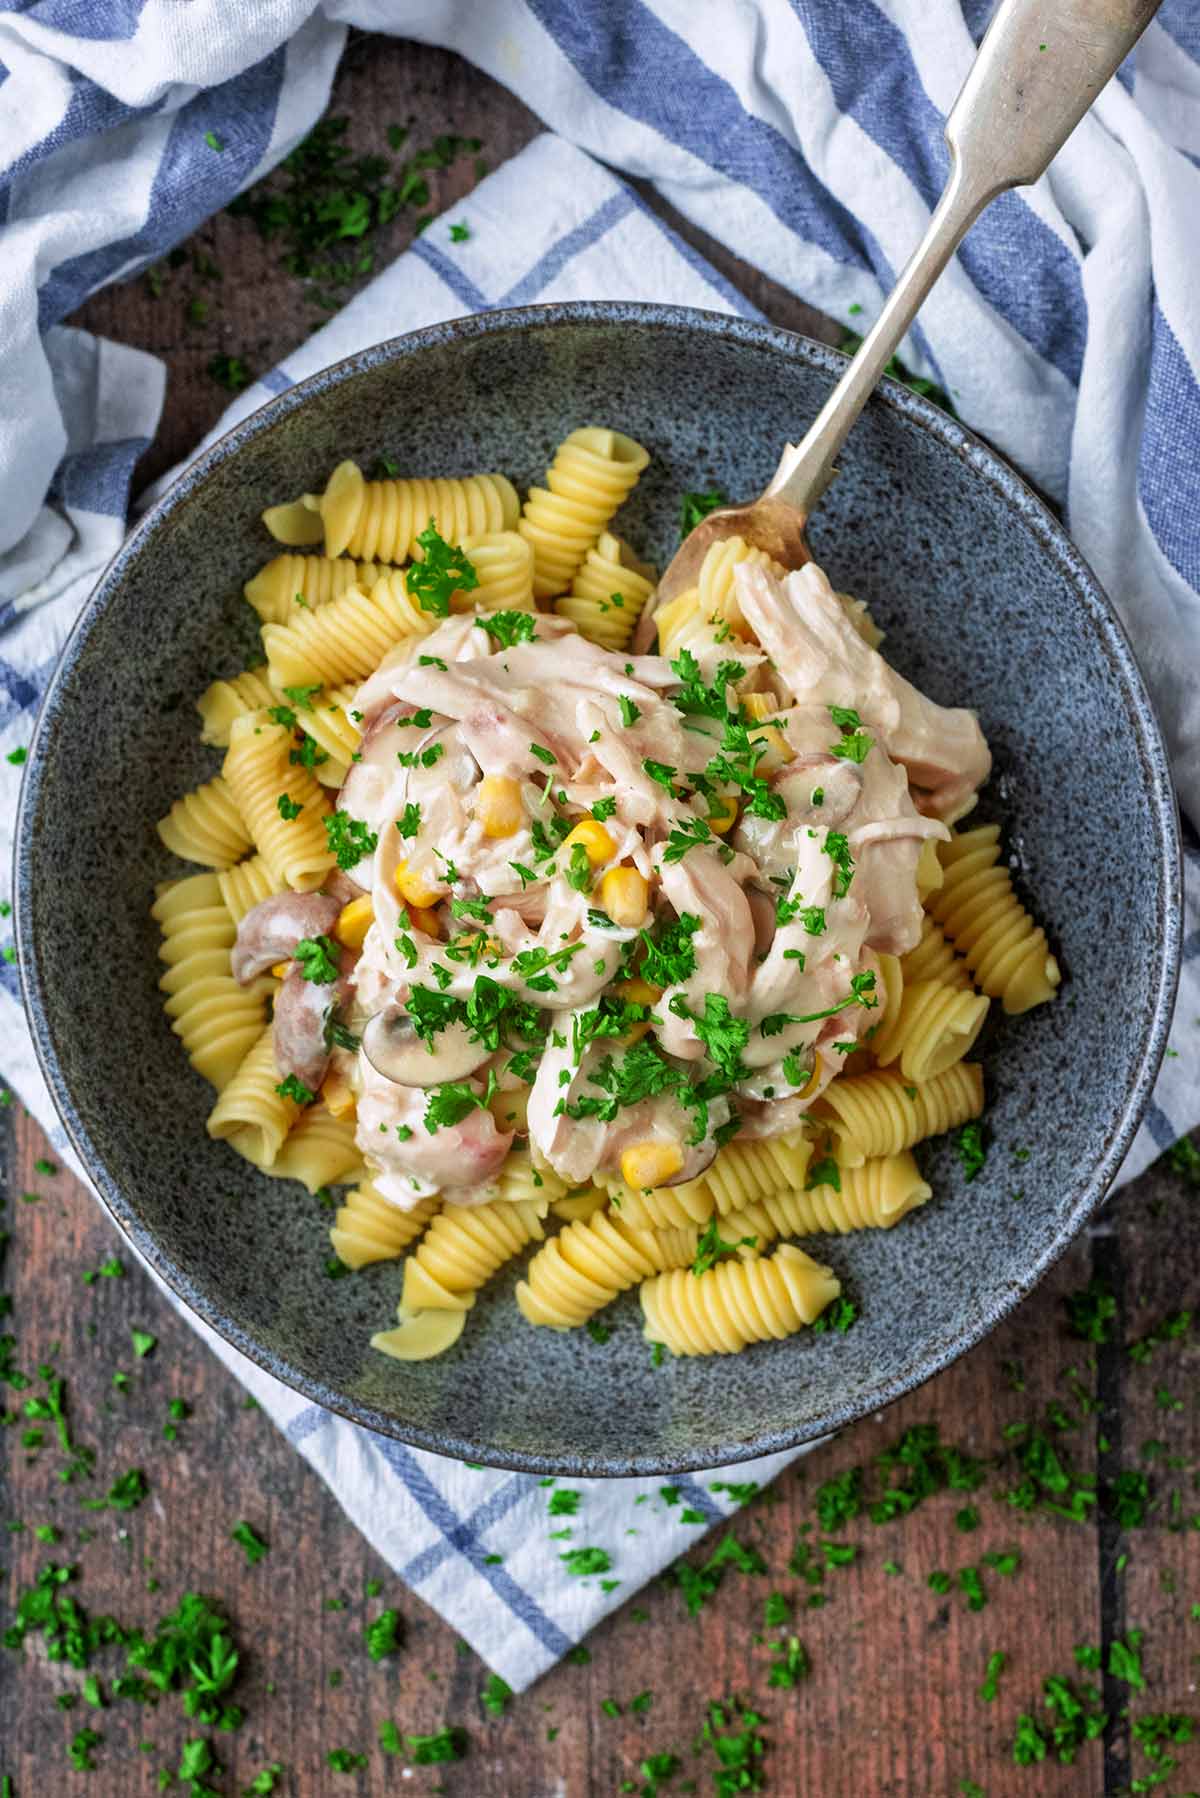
(736, 1303)
(547, 951)
(288, 583)
(608, 593)
(1005, 950)
(592, 472)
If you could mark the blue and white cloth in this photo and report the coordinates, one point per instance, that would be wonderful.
(804, 135)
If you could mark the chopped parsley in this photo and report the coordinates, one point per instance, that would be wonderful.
(855, 744)
(688, 834)
(711, 1247)
(449, 1744)
(669, 956)
(507, 628)
(695, 506)
(450, 1103)
(247, 1538)
(660, 772)
(289, 808)
(441, 572)
(604, 808)
(630, 713)
(294, 1088)
(318, 959)
(348, 839)
(585, 1561)
(382, 1635)
(972, 1149)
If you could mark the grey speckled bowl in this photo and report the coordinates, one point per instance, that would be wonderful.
(985, 603)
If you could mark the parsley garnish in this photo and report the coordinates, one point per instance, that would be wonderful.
(543, 755)
(289, 808)
(508, 627)
(630, 713)
(247, 1538)
(450, 1103)
(318, 959)
(855, 745)
(579, 873)
(441, 572)
(711, 1247)
(972, 1149)
(349, 839)
(293, 1088)
(670, 956)
(687, 835)
(695, 506)
(382, 1635)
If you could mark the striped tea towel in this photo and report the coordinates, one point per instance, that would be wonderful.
(474, 1543)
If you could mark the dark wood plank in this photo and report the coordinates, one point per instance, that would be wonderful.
(891, 1705)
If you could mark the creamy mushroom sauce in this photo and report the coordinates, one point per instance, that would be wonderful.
(503, 1001)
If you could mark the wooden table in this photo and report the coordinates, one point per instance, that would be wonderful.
(892, 1702)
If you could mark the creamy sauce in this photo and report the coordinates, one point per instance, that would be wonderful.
(768, 974)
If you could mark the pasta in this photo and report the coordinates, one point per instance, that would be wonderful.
(504, 563)
(874, 1196)
(367, 1228)
(344, 640)
(592, 472)
(252, 1115)
(216, 1020)
(382, 520)
(978, 910)
(290, 581)
(641, 963)
(935, 1027)
(206, 826)
(716, 593)
(588, 1263)
(246, 885)
(608, 593)
(320, 1151)
(226, 700)
(934, 959)
(463, 1247)
(259, 773)
(737, 1302)
(871, 1115)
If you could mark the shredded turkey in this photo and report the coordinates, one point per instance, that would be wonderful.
(622, 907)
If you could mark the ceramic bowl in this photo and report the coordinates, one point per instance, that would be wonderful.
(985, 602)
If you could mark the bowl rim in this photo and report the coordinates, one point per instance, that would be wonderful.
(1029, 509)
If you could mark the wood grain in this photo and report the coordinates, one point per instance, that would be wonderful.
(891, 1705)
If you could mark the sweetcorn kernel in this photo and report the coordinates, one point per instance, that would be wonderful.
(413, 886)
(354, 921)
(625, 896)
(282, 969)
(499, 809)
(425, 918)
(724, 819)
(338, 1095)
(648, 1164)
(595, 839)
(638, 991)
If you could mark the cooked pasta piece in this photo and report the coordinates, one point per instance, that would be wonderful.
(206, 826)
(216, 1019)
(716, 587)
(740, 1172)
(320, 1151)
(881, 1113)
(737, 1302)
(332, 721)
(776, 749)
(935, 1027)
(580, 1205)
(934, 959)
(420, 1335)
(226, 700)
(890, 1000)
(929, 870)
(247, 884)
(593, 470)
(463, 1247)
(504, 563)
(587, 1264)
(290, 581)
(609, 593)
(296, 523)
(367, 1228)
(519, 1182)
(380, 521)
(856, 611)
(260, 774)
(346, 639)
(874, 1196)
(682, 625)
(252, 1115)
(978, 910)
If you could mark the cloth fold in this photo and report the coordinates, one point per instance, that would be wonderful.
(1070, 334)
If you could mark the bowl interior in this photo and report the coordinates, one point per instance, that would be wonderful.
(984, 603)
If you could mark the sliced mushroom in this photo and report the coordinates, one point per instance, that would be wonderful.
(393, 1048)
(270, 932)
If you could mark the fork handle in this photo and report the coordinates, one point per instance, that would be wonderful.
(1039, 68)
